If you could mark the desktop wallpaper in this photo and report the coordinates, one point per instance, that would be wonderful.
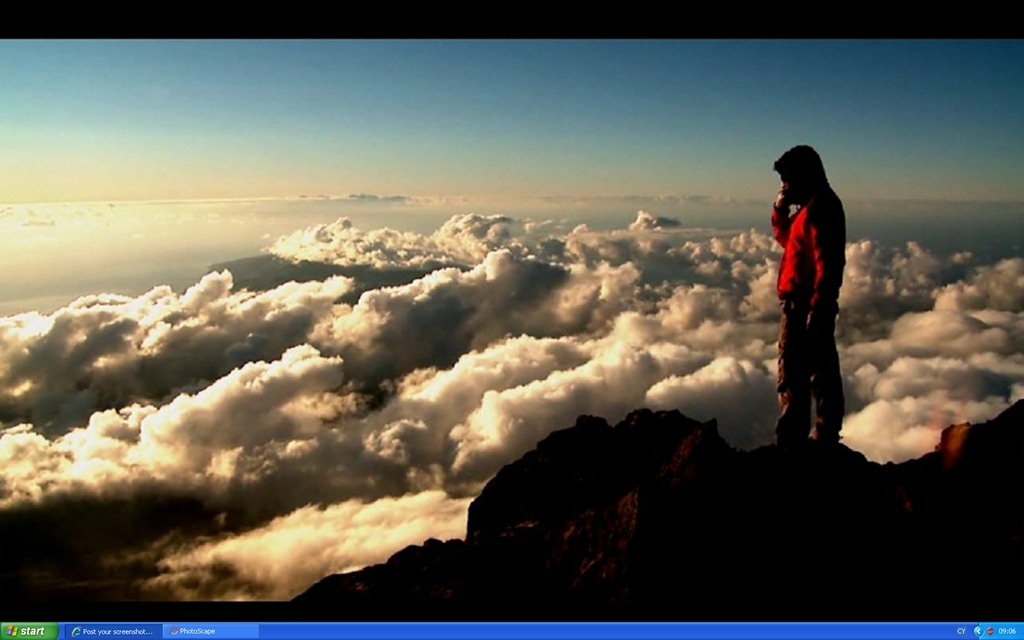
(275, 310)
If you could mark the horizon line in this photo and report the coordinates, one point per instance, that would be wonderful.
(371, 198)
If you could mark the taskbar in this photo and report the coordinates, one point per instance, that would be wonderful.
(512, 631)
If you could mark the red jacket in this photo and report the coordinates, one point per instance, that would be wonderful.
(814, 240)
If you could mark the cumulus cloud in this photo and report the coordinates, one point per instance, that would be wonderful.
(465, 240)
(905, 428)
(735, 315)
(318, 425)
(880, 284)
(434, 320)
(462, 240)
(108, 351)
(998, 287)
(645, 220)
(712, 392)
(234, 431)
(281, 559)
(612, 381)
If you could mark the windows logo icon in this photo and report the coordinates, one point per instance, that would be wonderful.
(12, 630)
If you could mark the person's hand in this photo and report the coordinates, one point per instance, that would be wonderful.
(783, 201)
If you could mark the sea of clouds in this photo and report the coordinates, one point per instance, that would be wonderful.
(310, 437)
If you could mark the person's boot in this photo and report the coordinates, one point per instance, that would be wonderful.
(788, 436)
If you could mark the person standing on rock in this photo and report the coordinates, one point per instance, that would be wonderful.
(813, 237)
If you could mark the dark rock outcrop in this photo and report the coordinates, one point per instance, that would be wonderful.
(660, 511)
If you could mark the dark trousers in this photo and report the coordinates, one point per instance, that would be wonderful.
(808, 366)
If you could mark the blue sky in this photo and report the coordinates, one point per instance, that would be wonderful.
(132, 120)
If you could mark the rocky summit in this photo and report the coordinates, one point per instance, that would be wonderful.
(660, 512)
